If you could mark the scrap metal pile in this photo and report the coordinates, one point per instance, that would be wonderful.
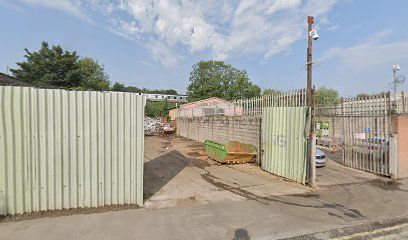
(155, 125)
(152, 125)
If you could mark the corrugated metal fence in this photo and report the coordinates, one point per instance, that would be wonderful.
(69, 149)
(284, 142)
(285, 127)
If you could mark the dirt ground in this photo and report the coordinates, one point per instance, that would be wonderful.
(178, 172)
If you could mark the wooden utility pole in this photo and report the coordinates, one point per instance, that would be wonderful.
(309, 63)
(310, 101)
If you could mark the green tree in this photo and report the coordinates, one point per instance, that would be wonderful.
(367, 95)
(158, 109)
(270, 91)
(327, 96)
(118, 87)
(49, 67)
(363, 95)
(93, 76)
(164, 91)
(133, 89)
(218, 79)
(170, 91)
(52, 67)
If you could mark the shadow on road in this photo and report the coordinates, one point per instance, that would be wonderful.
(161, 170)
(241, 234)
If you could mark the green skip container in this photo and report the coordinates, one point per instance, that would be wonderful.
(232, 152)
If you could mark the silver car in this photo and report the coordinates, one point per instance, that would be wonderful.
(320, 159)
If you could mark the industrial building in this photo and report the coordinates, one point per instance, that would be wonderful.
(155, 97)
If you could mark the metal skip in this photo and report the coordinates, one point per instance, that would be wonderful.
(233, 152)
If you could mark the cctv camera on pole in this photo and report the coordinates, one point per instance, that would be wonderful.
(311, 35)
(396, 79)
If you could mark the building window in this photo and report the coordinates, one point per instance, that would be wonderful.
(213, 111)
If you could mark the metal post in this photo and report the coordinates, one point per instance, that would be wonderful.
(310, 22)
(394, 81)
(389, 106)
(312, 141)
(394, 156)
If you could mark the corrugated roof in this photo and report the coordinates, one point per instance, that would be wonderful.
(203, 101)
(6, 80)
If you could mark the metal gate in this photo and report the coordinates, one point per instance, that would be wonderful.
(360, 129)
(284, 136)
(367, 133)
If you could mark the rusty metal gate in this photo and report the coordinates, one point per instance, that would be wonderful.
(362, 131)
(284, 136)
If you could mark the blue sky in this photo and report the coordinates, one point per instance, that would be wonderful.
(154, 43)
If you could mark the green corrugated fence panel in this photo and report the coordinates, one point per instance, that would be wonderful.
(69, 149)
(284, 142)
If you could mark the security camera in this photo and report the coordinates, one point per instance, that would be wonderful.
(314, 34)
(395, 67)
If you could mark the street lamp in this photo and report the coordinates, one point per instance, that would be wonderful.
(396, 79)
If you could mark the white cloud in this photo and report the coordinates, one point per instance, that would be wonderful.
(224, 28)
(373, 52)
(163, 54)
(332, 28)
(283, 4)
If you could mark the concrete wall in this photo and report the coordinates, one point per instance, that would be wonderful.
(401, 126)
(173, 114)
(222, 129)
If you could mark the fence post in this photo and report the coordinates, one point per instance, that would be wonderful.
(235, 103)
(312, 140)
(343, 152)
(394, 156)
(389, 106)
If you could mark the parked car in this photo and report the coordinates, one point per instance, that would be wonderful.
(373, 147)
(320, 159)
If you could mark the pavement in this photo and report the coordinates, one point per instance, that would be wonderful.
(189, 197)
(395, 228)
